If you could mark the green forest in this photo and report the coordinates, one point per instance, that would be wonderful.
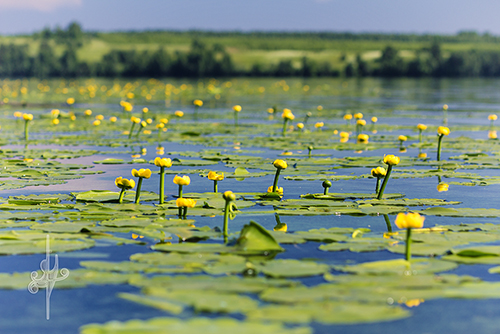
(72, 52)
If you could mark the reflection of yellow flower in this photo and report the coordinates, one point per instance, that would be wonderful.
(281, 227)
(378, 172)
(215, 177)
(278, 163)
(319, 108)
(391, 160)
(422, 155)
(179, 113)
(402, 138)
(55, 121)
(492, 117)
(358, 115)
(363, 138)
(347, 117)
(185, 202)
(237, 108)
(279, 190)
(410, 220)
(492, 134)
(198, 103)
(182, 181)
(144, 173)
(421, 127)
(442, 187)
(344, 139)
(124, 183)
(443, 131)
(163, 162)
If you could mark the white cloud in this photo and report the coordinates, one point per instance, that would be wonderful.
(40, 5)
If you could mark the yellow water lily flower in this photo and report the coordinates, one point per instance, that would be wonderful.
(492, 134)
(363, 138)
(319, 125)
(421, 127)
(492, 117)
(94, 123)
(164, 120)
(126, 184)
(281, 227)
(402, 138)
(300, 125)
(358, 115)
(391, 160)
(410, 220)
(443, 131)
(28, 117)
(287, 114)
(144, 173)
(70, 101)
(18, 114)
(182, 181)
(361, 122)
(347, 117)
(113, 119)
(445, 107)
(278, 163)
(228, 195)
(179, 113)
(87, 112)
(55, 121)
(374, 119)
(198, 103)
(237, 108)
(163, 162)
(215, 177)
(378, 172)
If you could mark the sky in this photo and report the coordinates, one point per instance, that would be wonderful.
(387, 16)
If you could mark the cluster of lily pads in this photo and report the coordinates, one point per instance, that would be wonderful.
(196, 263)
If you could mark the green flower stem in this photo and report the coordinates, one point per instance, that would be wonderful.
(131, 130)
(120, 198)
(215, 186)
(325, 192)
(138, 132)
(358, 130)
(138, 191)
(184, 212)
(420, 136)
(195, 116)
(26, 131)
(387, 175)
(285, 122)
(440, 138)
(276, 177)
(388, 223)
(226, 216)
(180, 196)
(235, 118)
(408, 244)
(162, 185)
(377, 185)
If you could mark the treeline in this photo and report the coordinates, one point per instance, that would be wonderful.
(429, 62)
(204, 60)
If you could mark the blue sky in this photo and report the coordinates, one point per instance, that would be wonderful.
(422, 16)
